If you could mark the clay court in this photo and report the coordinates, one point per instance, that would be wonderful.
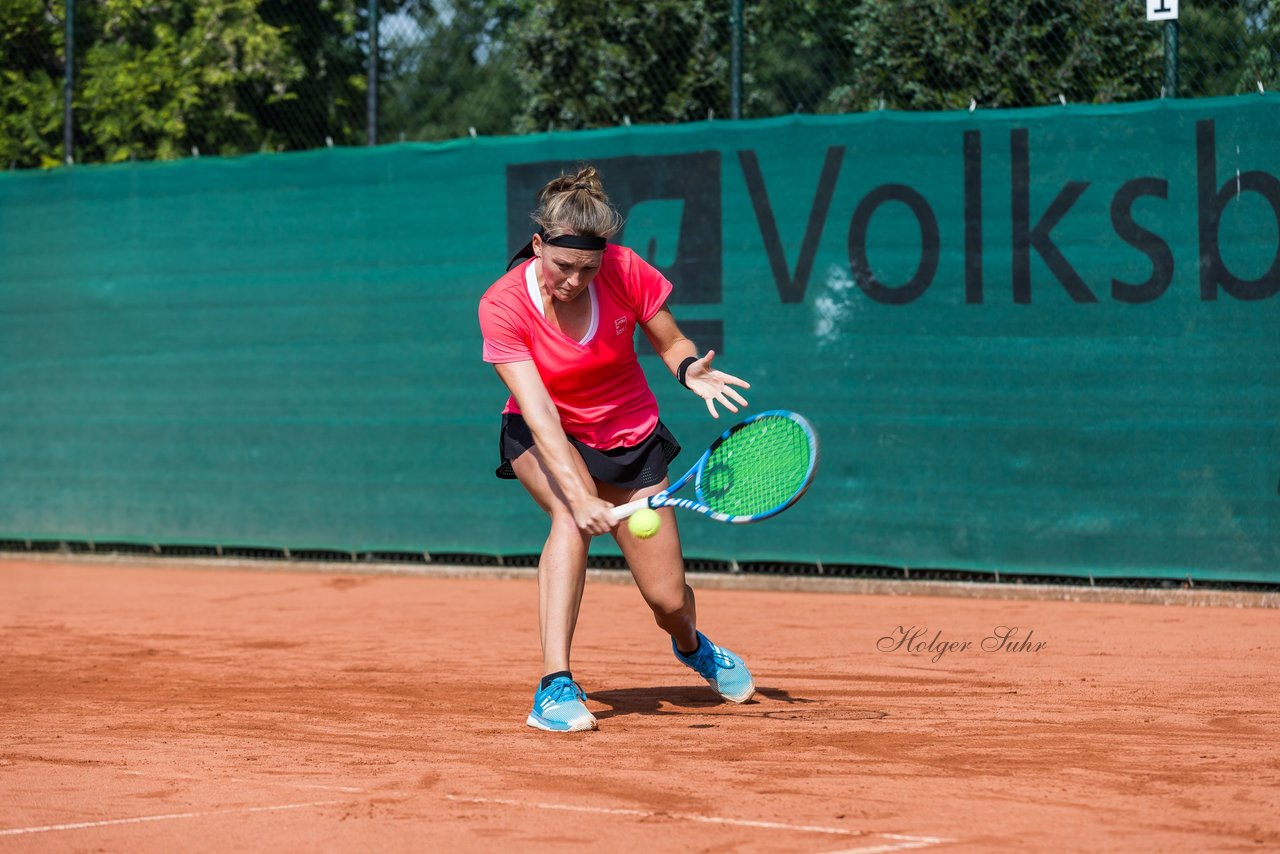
(152, 706)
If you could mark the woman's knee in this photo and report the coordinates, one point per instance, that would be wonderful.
(565, 529)
(670, 603)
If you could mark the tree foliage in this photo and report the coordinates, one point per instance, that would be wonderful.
(327, 105)
(30, 85)
(448, 72)
(1229, 47)
(159, 80)
(584, 64)
(921, 54)
(166, 78)
(794, 54)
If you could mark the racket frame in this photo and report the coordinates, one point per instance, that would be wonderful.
(666, 498)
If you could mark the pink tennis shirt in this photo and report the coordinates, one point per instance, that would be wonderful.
(596, 383)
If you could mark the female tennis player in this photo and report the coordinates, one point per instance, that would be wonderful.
(580, 430)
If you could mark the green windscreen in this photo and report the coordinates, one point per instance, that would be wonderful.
(758, 468)
(1031, 341)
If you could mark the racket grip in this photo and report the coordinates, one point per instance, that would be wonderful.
(623, 511)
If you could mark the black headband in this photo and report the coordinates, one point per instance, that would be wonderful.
(575, 241)
(568, 241)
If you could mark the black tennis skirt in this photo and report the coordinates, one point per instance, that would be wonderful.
(629, 468)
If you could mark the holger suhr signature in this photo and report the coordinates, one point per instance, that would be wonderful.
(918, 641)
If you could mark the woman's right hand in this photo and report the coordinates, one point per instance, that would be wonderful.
(591, 512)
(715, 386)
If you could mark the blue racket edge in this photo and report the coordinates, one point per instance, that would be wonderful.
(665, 498)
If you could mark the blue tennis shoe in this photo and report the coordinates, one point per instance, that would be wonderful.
(724, 671)
(561, 707)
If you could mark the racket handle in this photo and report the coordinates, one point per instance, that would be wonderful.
(623, 511)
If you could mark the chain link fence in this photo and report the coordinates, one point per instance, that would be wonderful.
(118, 80)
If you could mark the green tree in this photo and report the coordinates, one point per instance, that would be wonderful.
(584, 64)
(448, 70)
(1228, 47)
(794, 53)
(31, 74)
(160, 80)
(163, 79)
(328, 103)
(1262, 60)
(921, 54)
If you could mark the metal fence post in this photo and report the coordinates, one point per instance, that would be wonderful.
(1171, 58)
(68, 129)
(373, 74)
(735, 59)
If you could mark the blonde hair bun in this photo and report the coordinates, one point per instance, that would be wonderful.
(577, 204)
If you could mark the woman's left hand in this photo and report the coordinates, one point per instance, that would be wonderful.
(714, 386)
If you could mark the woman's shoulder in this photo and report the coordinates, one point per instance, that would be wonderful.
(510, 286)
(617, 255)
(629, 269)
(623, 263)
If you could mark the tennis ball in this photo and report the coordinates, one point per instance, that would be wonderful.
(644, 523)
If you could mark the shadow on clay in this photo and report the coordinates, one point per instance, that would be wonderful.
(679, 700)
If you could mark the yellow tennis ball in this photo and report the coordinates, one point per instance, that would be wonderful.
(644, 523)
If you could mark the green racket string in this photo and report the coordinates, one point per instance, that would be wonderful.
(758, 468)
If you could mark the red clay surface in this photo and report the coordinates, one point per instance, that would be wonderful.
(153, 708)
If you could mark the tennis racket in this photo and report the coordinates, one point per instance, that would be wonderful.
(756, 469)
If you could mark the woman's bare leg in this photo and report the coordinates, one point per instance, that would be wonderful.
(562, 567)
(657, 565)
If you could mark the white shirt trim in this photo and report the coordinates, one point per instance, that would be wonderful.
(535, 296)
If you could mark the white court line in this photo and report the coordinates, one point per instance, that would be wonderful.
(80, 825)
(903, 842)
